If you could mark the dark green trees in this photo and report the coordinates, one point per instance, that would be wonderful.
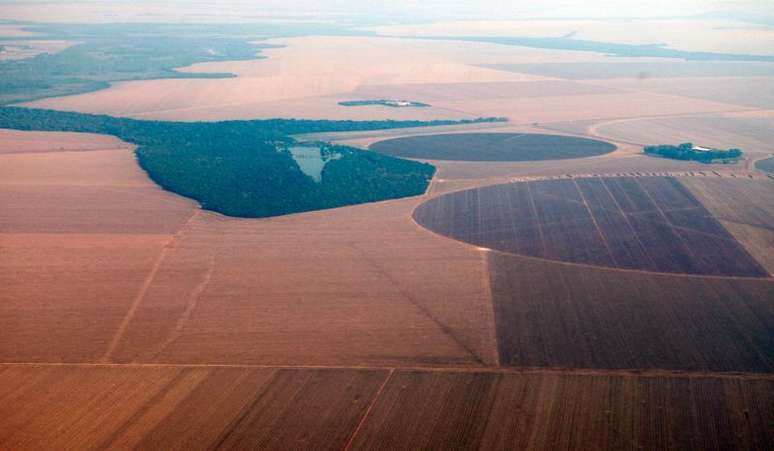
(687, 151)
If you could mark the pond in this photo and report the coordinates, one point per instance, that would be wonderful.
(310, 160)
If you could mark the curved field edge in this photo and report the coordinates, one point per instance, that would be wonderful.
(493, 147)
(651, 224)
(767, 165)
(244, 168)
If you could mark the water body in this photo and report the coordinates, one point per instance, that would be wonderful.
(311, 161)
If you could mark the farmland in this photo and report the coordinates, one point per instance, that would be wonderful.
(168, 283)
(766, 165)
(745, 209)
(492, 147)
(646, 223)
(526, 411)
(178, 407)
(553, 315)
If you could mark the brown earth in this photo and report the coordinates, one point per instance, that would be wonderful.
(535, 411)
(751, 134)
(304, 79)
(181, 407)
(15, 141)
(560, 315)
(742, 91)
(745, 208)
(170, 407)
(212, 289)
(272, 292)
(79, 230)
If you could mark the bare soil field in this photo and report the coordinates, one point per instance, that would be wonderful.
(741, 91)
(530, 110)
(15, 141)
(308, 77)
(647, 223)
(557, 315)
(443, 410)
(746, 209)
(492, 147)
(181, 408)
(79, 230)
(476, 91)
(640, 70)
(300, 80)
(130, 407)
(751, 134)
(131, 319)
(84, 192)
(319, 288)
(64, 295)
(231, 290)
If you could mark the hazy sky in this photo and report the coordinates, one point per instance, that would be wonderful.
(400, 9)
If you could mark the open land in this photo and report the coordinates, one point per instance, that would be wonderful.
(179, 407)
(151, 323)
(310, 75)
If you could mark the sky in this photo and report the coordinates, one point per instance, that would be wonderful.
(414, 10)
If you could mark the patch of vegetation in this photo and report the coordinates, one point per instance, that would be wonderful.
(385, 102)
(687, 151)
(568, 42)
(244, 168)
(122, 52)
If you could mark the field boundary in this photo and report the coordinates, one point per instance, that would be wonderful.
(632, 372)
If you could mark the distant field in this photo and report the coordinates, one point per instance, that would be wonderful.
(749, 91)
(766, 165)
(751, 134)
(647, 223)
(492, 147)
(641, 70)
